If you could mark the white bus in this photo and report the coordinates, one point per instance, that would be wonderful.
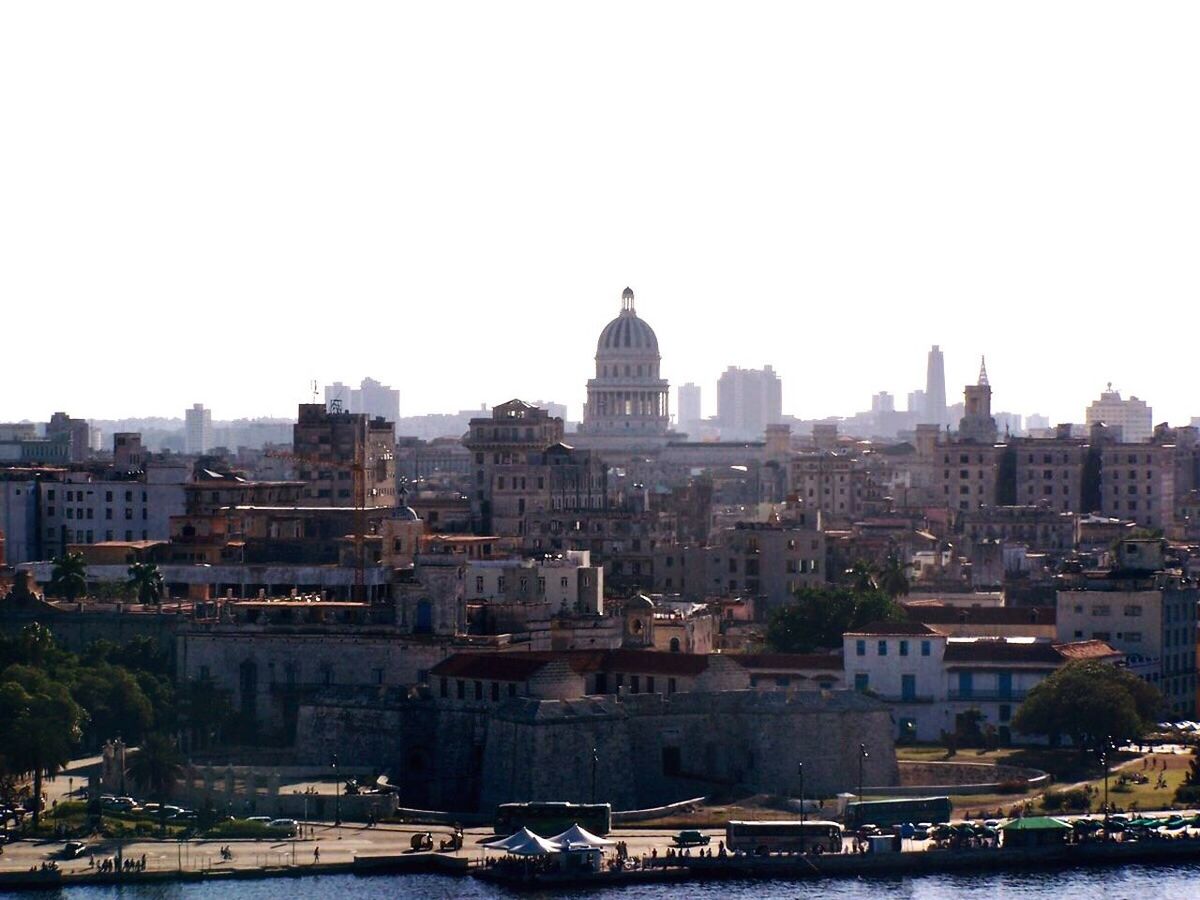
(790, 836)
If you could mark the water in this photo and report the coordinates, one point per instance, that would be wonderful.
(1127, 883)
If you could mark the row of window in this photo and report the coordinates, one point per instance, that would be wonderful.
(78, 512)
(76, 496)
(881, 648)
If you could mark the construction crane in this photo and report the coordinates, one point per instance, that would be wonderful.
(358, 469)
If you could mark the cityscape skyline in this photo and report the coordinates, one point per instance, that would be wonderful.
(416, 401)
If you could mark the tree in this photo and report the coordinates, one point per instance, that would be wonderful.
(43, 724)
(146, 582)
(862, 578)
(156, 765)
(820, 616)
(1089, 702)
(893, 578)
(68, 577)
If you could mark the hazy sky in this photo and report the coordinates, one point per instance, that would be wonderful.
(219, 202)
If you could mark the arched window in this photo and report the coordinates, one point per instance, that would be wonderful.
(674, 645)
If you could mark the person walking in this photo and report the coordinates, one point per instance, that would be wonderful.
(316, 855)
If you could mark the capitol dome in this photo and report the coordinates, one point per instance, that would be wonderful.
(627, 331)
(628, 395)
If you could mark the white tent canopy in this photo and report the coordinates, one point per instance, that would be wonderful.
(525, 843)
(576, 836)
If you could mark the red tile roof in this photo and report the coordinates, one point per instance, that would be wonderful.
(1087, 650)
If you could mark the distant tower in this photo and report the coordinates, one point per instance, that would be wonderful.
(688, 405)
(935, 388)
(977, 423)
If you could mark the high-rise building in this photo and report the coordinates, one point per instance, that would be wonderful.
(329, 446)
(935, 388)
(76, 434)
(377, 400)
(197, 436)
(687, 402)
(371, 398)
(1132, 417)
(748, 400)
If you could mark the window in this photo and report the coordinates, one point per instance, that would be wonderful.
(461, 687)
(443, 687)
(495, 691)
(478, 690)
(1133, 610)
(1005, 712)
(883, 648)
(634, 683)
(649, 684)
(924, 648)
(904, 648)
(860, 648)
(1101, 609)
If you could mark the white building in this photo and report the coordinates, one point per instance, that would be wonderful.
(197, 437)
(1133, 417)
(931, 679)
(82, 509)
(566, 581)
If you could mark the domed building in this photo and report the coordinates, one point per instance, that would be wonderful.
(627, 398)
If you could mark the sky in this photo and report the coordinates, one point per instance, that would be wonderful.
(220, 202)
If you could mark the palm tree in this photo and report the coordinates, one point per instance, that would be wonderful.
(893, 579)
(68, 578)
(147, 582)
(862, 576)
(156, 765)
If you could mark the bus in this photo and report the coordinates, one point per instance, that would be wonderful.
(548, 818)
(897, 812)
(774, 837)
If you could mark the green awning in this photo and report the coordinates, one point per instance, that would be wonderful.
(1036, 823)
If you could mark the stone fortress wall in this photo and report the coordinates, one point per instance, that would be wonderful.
(641, 750)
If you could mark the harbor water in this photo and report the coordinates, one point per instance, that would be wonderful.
(1132, 882)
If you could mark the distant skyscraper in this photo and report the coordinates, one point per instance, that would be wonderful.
(197, 437)
(748, 400)
(935, 388)
(688, 405)
(370, 397)
(1133, 417)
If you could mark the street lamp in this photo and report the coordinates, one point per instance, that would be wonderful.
(800, 772)
(337, 796)
(862, 755)
(1104, 762)
(595, 760)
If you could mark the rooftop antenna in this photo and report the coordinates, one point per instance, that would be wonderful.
(314, 390)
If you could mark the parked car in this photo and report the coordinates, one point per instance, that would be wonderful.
(265, 820)
(691, 838)
(288, 825)
(73, 850)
